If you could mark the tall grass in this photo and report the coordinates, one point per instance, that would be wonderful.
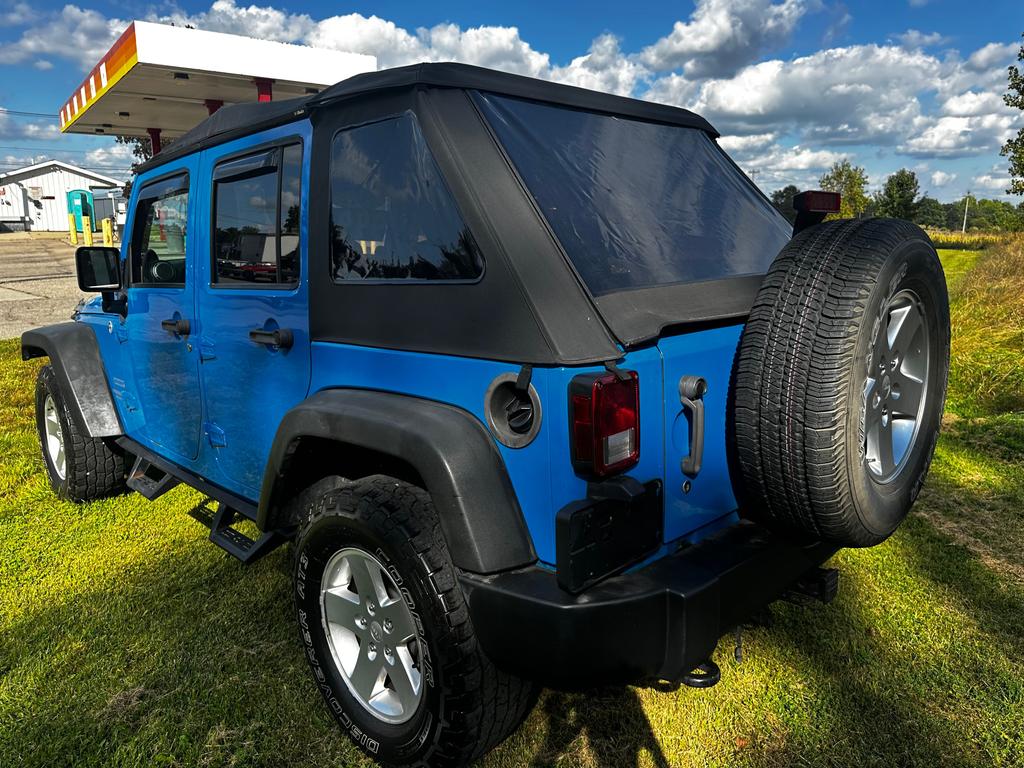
(986, 373)
(965, 241)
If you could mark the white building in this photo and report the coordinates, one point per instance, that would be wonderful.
(36, 197)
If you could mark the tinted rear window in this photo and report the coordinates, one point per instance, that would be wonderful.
(637, 204)
(392, 216)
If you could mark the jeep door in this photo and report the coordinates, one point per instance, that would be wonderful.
(161, 316)
(253, 304)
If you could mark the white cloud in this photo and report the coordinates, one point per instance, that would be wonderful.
(841, 95)
(972, 103)
(990, 182)
(941, 178)
(113, 155)
(993, 55)
(72, 33)
(267, 23)
(914, 38)
(723, 35)
(603, 68)
(18, 16)
(18, 129)
(42, 64)
(959, 136)
(756, 141)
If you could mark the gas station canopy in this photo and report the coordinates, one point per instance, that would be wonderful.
(159, 80)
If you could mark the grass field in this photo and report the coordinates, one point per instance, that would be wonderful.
(126, 639)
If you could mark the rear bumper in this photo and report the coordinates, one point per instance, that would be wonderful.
(658, 622)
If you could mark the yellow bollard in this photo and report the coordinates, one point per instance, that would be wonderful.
(86, 230)
(108, 232)
(72, 229)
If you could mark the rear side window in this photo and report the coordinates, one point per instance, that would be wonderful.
(636, 204)
(159, 234)
(256, 202)
(392, 217)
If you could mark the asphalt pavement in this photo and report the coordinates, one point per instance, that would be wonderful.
(37, 281)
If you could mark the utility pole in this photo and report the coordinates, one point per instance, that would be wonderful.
(967, 203)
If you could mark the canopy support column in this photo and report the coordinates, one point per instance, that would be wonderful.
(264, 88)
(154, 137)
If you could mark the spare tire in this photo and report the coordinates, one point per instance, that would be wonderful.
(840, 382)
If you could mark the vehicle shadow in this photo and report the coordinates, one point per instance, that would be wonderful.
(612, 720)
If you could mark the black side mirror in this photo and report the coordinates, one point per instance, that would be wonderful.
(99, 269)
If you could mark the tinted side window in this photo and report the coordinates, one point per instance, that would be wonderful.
(256, 214)
(159, 234)
(392, 217)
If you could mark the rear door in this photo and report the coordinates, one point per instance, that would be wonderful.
(161, 319)
(695, 499)
(253, 302)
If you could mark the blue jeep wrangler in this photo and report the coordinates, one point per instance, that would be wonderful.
(541, 387)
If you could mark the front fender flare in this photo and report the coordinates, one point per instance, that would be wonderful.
(449, 448)
(75, 356)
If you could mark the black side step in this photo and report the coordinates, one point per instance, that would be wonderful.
(149, 480)
(233, 541)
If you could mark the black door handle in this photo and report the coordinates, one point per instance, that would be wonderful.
(691, 394)
(179, 327)
(279, 338)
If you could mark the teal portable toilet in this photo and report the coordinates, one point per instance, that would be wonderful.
(80, 204)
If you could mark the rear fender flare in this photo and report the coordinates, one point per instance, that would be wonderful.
(448, 447)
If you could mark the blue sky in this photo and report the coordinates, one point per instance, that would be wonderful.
(793, 85)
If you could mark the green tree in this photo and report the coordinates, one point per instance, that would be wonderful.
(929, 213)
(782, 199)
(850, 181)
(1014, 147)
(897, 199)
(142, 150)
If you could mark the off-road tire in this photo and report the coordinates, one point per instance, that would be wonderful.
(94, 468)
(468, 705)
(798, 404)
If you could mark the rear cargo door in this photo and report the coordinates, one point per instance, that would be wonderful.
(696, 499)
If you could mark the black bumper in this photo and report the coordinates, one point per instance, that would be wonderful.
(658, 622)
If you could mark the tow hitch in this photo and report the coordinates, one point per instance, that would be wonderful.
(820, 584)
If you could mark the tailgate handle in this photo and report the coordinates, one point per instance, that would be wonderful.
(691, 395)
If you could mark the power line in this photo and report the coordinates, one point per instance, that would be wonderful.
(21, 113)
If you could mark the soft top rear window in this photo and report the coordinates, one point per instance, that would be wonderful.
(636, 204)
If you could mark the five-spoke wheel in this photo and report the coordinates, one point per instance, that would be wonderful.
(371, 634)
(896, 385)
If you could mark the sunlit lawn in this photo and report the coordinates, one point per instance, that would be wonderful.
(127, 639)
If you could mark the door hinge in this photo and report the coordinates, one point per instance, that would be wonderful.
(206, 351)
(215, 435)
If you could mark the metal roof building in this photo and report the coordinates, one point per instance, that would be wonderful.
(36, 197)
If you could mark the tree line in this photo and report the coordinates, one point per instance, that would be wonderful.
(900, 198)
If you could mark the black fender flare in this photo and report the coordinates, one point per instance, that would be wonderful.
(449, 448)
(75, 356)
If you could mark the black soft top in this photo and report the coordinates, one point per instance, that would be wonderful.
(237, 120)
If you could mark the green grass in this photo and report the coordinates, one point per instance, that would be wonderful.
(127, 639)
(957, 264)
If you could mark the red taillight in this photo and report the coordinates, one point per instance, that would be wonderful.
(817, 201)
(605, 422)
